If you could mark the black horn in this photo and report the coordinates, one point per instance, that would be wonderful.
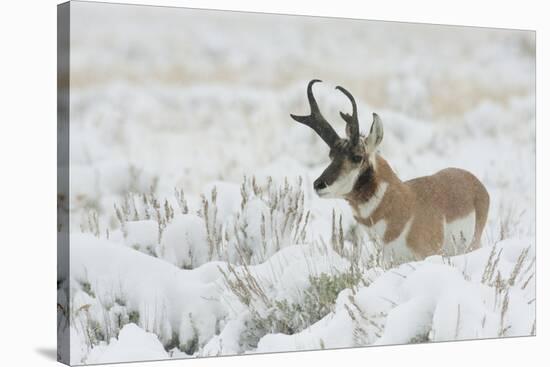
(315, 120)
(352, 122)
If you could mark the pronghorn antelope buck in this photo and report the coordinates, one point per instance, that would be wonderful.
(444, 213)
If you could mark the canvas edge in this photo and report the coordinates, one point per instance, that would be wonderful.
(63, 116)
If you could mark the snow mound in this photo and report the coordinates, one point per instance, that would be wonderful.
(219, 308)
(132, 344)
(436, 299)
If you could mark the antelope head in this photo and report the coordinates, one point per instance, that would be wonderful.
(350, 157)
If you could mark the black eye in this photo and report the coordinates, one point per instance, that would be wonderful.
(356, 158)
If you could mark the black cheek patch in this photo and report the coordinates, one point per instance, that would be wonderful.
(332, 172)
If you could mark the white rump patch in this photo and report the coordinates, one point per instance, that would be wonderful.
(459, 234)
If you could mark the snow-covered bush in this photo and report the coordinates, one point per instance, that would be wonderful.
(286, 317)
(271, 217)
(185, 242)
(265, 219)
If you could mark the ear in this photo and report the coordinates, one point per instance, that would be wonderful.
(375, 135)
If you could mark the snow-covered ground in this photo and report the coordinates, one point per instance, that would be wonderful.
(194, 227)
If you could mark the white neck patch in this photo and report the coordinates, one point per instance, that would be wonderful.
(365, 210)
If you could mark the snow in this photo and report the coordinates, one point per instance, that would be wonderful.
(159, 291)
(183, 241)
(440, 297)
(124, 349)
(400, 328)
(194, 102)
(425, 298)
(142, 234)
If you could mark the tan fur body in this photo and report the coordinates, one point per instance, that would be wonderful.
(423, 206)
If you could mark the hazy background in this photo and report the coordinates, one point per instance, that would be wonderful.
(169, 97)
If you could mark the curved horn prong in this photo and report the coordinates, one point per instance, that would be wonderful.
(315, 120)
(352, 122)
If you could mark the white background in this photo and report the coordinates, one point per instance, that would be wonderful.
(28, 182)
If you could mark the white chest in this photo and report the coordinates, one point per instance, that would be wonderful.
(396, 251)
(365, 210)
